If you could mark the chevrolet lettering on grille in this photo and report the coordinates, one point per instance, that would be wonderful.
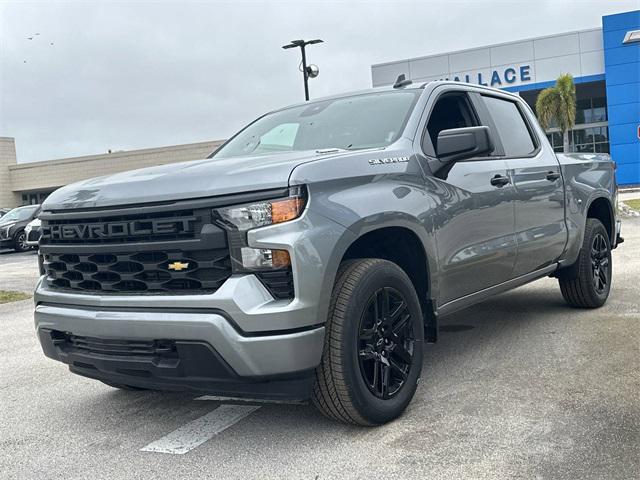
(134, 228)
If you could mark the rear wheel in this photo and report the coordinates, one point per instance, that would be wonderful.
(587, 283)
(373, 349)
(20, 242)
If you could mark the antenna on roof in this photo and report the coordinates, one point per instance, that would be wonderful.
(402, 81)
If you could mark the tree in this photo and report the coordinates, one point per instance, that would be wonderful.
(558, 105)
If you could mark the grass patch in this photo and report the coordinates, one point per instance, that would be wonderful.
(6, 297)
(635, 203)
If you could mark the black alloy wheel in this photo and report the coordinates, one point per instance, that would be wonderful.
(600, 263)
(386, 341)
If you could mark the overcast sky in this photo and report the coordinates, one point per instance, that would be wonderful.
(124, 75)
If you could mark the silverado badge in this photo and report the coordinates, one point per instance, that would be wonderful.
(382, 161)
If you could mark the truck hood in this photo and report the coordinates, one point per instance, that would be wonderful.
(178, 181)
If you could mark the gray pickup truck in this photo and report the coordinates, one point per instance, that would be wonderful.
(311, 255)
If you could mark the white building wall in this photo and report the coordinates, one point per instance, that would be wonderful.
(578, 53)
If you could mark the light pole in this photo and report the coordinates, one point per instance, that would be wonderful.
(310, 71)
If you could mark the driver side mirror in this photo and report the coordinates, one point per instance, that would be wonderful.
(462, 143)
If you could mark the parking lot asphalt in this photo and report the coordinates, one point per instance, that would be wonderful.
(19, 271)
(520, 386)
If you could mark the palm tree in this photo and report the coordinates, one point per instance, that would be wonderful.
(558, 105)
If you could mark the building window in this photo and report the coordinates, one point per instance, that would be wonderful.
(591, 110)
(582, 140)
(34, 198)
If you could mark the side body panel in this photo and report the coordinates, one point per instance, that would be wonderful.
(540, 222)
(447, 215)
(587, 177)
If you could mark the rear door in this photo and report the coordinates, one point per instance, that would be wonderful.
(540, 227)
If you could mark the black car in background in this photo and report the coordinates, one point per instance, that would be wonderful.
(12, 234)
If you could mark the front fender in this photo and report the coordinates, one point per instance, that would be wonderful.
(383, 202)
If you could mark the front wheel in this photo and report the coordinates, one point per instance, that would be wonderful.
(587, 283)
(373, 349)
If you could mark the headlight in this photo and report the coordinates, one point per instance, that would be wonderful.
(260, 214)
(239, 219)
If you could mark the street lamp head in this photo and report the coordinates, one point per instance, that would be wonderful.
(313, 71)
(295, 43)
(301, 43)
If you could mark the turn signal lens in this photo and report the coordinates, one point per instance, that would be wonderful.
(285, 210)
(280, 259)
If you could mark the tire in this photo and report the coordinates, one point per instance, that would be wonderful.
(587, 283)
(19, 242)
(349, 384)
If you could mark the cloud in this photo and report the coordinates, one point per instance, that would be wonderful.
(142, 74)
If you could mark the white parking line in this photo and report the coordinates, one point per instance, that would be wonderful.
(200, 430)
(216, 398)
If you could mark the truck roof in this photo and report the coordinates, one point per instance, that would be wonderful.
(391, 88)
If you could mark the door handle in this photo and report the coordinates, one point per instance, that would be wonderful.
(553, 176)
(499, 181)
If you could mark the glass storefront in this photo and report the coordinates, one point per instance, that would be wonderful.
(591, 133)
(583, 140)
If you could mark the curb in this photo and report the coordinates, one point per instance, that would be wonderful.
(627, 210)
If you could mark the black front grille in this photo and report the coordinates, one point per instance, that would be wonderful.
(162, 249)
(115, 347)
(138, 272)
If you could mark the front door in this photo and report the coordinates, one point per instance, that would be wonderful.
(474, 231)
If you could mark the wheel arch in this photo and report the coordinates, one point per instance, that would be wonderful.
(600, 207)
(403, 246)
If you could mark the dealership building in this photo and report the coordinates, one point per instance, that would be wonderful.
(605, 63)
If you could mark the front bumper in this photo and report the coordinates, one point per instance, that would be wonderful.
(250, 358)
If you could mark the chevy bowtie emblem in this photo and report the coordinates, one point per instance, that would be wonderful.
(177, 266)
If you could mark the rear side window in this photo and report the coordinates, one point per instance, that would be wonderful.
(513, 130)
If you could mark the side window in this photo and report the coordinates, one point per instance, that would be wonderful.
(512, 128)
(452, 110)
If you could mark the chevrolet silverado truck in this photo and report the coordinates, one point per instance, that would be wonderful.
(312, 255)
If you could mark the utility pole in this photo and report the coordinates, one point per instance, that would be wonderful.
(311, 71)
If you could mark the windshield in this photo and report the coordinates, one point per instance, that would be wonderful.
(19, 214)
(360, 121)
